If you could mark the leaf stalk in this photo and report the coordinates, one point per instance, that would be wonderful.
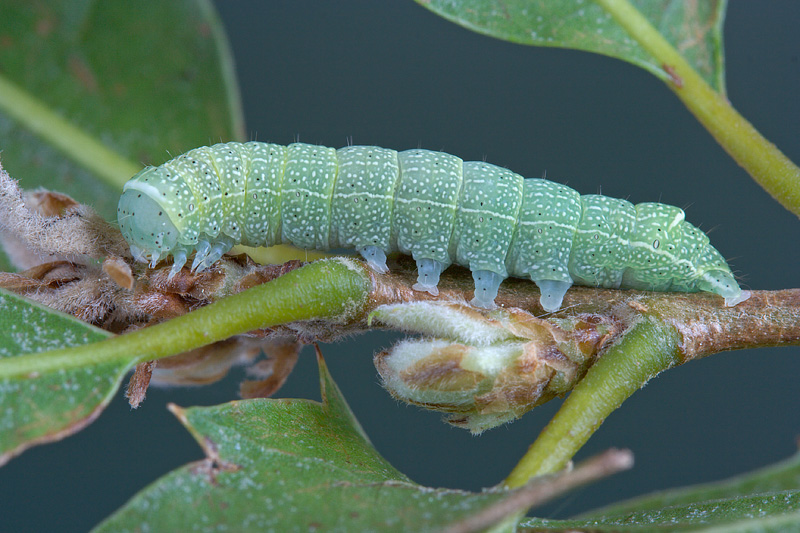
(760, 158)
(648, 348)
(324, 289)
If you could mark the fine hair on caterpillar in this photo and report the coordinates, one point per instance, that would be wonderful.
(430, 205)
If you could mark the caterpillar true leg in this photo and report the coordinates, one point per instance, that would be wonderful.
(203, 247)
(178, 260)
(214, 255)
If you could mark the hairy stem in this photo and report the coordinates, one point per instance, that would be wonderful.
(645, 350)
(84, 149)
(328, 289)
(759, 157)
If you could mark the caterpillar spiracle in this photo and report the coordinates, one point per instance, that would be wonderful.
(430, 205)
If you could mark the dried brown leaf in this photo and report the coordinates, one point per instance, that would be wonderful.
(119, 271)
(139, 382)
(282, 356)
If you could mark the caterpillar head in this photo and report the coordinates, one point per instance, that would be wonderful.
(151, 233)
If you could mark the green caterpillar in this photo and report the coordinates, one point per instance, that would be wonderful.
(430, 205)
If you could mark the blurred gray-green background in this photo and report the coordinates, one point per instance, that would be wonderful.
(392, 74)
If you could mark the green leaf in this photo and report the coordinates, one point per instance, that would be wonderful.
(693, 28)
(61, 378)
(782, 476)
(767, 499)
(777, 511)
(290, 465)
(48, 405)
(144, 79)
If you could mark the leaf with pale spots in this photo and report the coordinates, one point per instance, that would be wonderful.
(763, 500)
(770, 512)
(693, 28)
(291, 465)
(776, 478)
(47, 404)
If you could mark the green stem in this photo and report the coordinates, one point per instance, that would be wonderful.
(53, 128)
(759, 157)
(325, 289)
(645, 350)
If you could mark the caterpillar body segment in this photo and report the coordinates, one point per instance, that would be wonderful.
(430, 205)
